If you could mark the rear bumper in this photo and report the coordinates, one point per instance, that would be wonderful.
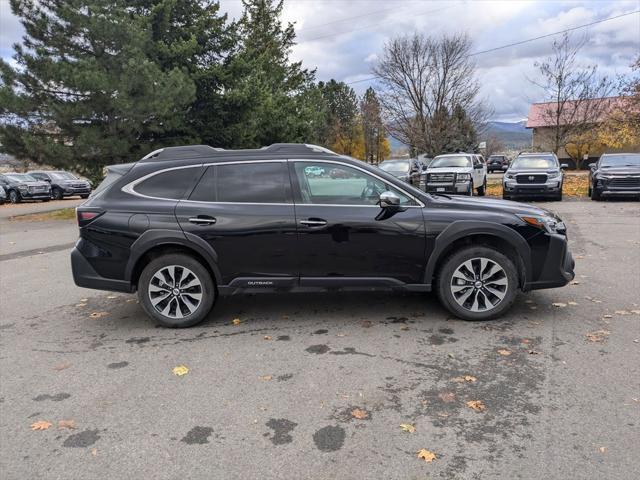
(85, 276)
(558, 266)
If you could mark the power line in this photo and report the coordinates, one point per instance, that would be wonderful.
(525, 41)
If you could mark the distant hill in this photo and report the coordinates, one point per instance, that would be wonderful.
(512, 134)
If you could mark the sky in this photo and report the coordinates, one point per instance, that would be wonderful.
(342, 39)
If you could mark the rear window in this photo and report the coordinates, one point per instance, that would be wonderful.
(171, 184)
(244, 183)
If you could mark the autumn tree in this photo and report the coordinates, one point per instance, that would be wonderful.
(426, 83)
(576, 97)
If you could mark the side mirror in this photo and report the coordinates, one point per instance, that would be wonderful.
(564, 166)
(389, 200)
(593, 167)
(47, 179)
(478, 166)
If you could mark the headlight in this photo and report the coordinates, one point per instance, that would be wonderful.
(510, 176)
(553, 175)
(548, 224)
(463, 177)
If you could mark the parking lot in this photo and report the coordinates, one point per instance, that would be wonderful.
(317, 386)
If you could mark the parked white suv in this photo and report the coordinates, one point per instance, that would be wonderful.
(457, 173)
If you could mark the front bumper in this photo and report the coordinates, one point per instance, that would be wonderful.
(453, 188)
(612, 186)
(26, 195)
(557, 269)
(85, 276)
(70, 191)
(550, 188)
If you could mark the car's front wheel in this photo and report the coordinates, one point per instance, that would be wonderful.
(14, 197)
(57, 194)
(477, 283)
(176, 290)
(595, 194)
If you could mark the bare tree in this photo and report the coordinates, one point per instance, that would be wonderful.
(425, 78)
(576, 95)
(494, 145)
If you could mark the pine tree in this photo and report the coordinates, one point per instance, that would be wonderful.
(270, 98)
(88, 89)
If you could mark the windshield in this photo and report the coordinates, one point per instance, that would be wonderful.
(63, 176)
(395, 166)
(620, 160)
(534, 162)
(450, 161)
(21, 177)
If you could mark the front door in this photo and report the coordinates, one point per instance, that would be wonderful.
(245, 211)
(342, 232)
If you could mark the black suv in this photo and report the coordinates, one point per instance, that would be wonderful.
(497, 162)
(63, 184)
(186, 224)
(615, 174)
(534, 175)
(21, 186)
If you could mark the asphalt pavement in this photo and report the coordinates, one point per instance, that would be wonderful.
(318, 386)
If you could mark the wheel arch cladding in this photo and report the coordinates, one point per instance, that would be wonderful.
(154, 243)
(471, 232)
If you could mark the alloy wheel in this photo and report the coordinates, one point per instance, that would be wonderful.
(479, 284)
(175, 291)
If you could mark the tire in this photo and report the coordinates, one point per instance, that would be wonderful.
(57, 194)
(483, 189)
(14, 197)
(470, 192)
(505, 196)
(595, 194)
(46, 199)
(477, 305)
(84, 196)
(174, 318)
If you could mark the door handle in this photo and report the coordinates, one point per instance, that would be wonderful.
(313, 222)
(202, 220)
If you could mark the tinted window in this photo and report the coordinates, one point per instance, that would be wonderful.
(620, 160)
(244, 183)
(534, 162)
(341, 186)
(450, 161)
(170, 184)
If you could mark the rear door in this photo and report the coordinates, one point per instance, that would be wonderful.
(245, 211)
(345, 237)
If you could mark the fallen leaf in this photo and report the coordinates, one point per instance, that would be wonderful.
(98, 314)
(266, 378)
(504, 352)
(111, 297)
(637, 312)
(40, 425)
(366, 323)
(528, 301)
(69, 424)
(359, 413)
(267, 337)
(596, 301)
(621, 312)
(62, 366)
(602, 449)
(607, 316)
(404, 327)
(81, 305)
(237, 321)
(84, 300)
(598, 336)
(407, 427)
(426, 455)
(534, 352)
(447, 397)
(575, 282)
(465, 378)
(573, 303)
(180, 370)
(94, 451)
(559, 304)
(476, 405)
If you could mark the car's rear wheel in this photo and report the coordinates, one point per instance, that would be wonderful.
(483, 189)
(84, 196)
(14, 197)
(57, 194)
(477, 283)
(176, 290)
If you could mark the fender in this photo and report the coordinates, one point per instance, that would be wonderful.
(153, 238)
(463, 228)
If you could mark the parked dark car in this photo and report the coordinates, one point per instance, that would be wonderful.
(20, 186)
(497, 163)
(534, 175)
(3, 195)
(408, 170)
(186, 224)
(63, 184)
(615, 174)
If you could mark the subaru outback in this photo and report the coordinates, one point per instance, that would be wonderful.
(185, 225)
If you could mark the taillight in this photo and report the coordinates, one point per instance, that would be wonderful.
(86, 216)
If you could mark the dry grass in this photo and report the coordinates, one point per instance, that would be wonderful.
(62, 214)
(575, 185)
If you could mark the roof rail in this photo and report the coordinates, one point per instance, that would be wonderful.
(196, 151)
